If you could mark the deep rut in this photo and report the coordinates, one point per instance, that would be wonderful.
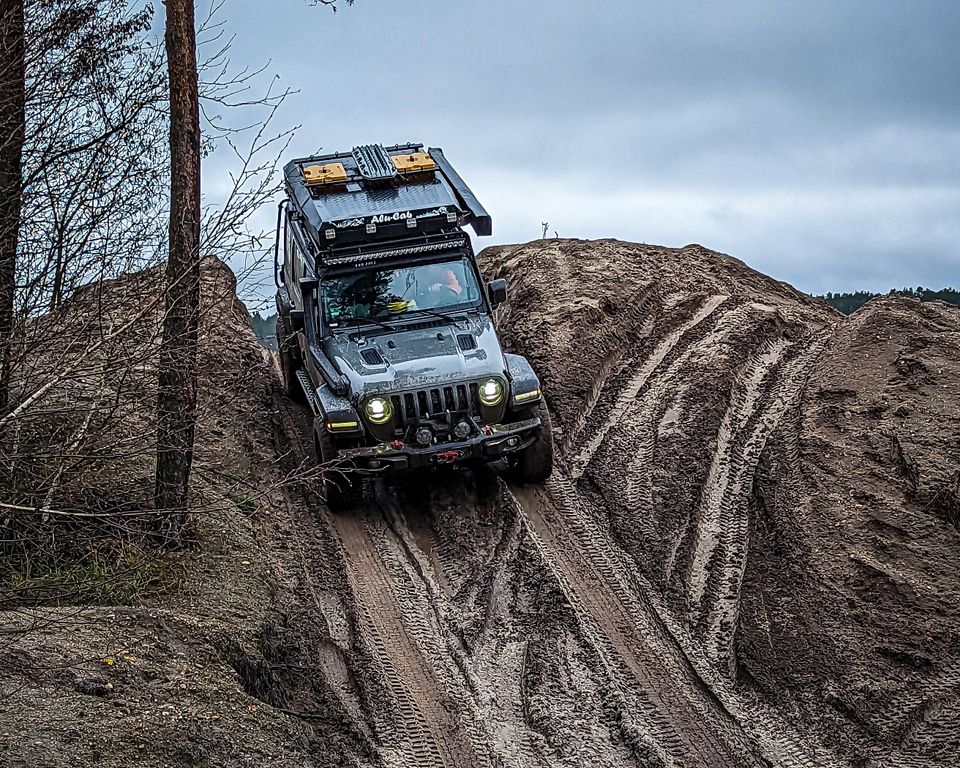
(623, 618)
(636, 383)
(675, 715)
(432, 731)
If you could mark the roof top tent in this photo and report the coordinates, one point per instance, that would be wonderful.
(376, 203)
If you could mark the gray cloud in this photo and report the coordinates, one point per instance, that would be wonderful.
(817, 141)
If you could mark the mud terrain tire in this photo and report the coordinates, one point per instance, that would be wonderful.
(290, 363)
(341, 492)
(535, 463)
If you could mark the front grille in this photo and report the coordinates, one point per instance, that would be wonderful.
(433, 404)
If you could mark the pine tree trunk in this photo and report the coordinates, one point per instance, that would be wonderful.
(12, 94)
(177, 385)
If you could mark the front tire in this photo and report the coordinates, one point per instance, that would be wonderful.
(534, 464)
(342, 491)
(290, 363)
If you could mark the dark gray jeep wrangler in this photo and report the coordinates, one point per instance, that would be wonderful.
(384, 324)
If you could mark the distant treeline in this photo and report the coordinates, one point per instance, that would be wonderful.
(851, 302)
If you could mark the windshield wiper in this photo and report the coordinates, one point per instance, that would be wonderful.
(385, 326)
(440, 315)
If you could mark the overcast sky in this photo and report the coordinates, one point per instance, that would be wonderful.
(819, 141)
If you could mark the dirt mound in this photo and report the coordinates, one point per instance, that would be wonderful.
(784, 481)
(203, 663)
(747, 555)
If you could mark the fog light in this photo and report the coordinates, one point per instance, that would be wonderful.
(512, 442)
(461, 430)
(424, 436)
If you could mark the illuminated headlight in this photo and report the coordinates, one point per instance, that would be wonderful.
(378, 410)
(491, 392)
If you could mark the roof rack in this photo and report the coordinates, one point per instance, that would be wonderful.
(374, 193)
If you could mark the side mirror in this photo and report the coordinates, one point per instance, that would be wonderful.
(497, 292)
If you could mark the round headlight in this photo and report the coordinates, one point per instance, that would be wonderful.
(491, 392)
(378, 410)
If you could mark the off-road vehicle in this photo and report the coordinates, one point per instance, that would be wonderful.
(385, 327)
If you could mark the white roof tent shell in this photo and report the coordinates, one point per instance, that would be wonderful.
(380, 199)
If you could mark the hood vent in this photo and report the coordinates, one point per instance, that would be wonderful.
(371, 357)
(466, 341)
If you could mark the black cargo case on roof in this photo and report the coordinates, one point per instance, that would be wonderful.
(375, 199)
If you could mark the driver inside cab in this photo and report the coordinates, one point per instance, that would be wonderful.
(444, 287)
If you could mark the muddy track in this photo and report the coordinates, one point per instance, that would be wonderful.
(434, 728)
(624, 618)
(649, 307)
(676, 716)
(433, 733)
(636, 382)
(720, 549)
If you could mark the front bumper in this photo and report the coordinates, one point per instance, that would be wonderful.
(385, 458)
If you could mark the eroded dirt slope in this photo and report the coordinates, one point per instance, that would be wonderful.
(747, 555)
(781, 484)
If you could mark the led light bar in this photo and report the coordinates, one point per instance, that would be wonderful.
(385, 254)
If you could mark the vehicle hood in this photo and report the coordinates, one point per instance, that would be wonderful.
(415, 356)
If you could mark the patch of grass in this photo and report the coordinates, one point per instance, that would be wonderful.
(246, 503)
(126, 577)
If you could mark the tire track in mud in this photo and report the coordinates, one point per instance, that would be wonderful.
(430, 617)
(679, 721)
(722, 540)
(431, 733)
(636, 383)
(613, 366)
(720, 524)
(635, 433)
(587, 561)
(778, 741)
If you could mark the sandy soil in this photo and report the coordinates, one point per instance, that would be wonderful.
(747, 556)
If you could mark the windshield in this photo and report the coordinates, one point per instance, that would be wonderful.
(391, 293)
